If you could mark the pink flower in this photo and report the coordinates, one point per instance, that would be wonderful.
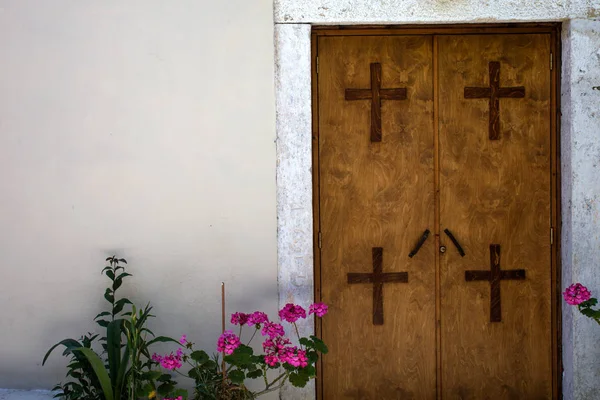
(319, 309)
(275, 345)
(228, 342)
(170, 362)
(294, 357)
(239, 318)
(576, 294)
(174, 398)
(257, 318)
(271, 360)
(183, 340)
(291, 313)
(273, 330)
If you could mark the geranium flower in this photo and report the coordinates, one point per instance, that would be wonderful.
(576, 294)
(239, 318)
(257, 318)
(291, 313)
(228, 342)
(319, 309)
(273, 330)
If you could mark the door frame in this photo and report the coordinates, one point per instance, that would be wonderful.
(554, 30)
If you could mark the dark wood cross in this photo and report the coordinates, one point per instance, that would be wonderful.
(378, 278)
(494, 92)
(494, 276)
(376, 94)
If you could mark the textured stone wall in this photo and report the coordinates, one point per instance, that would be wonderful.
(431, 11)
(580, 137)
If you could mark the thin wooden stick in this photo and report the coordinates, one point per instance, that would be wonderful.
(223, 328)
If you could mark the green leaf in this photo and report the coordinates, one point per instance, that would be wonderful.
(113, 341)
(165, 388)
(123, 275)
(103, 323)
(199, 356)
(70, 345)
(161, 339)
(151, 375)
(164, 378)
(255, 374)
(243, 349)
(147, 389)
(236, 376)
(309, 371)
(119, 304)
(298, 380)
(99, 370)
(102, 314)
(110, 274)
(193, 373)
(319, 345)
(117, 284)
(306, 342)
(108, 295)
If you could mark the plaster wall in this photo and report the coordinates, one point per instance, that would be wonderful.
(144, 129)
(430, 11)
(581, 200)
(580, 143)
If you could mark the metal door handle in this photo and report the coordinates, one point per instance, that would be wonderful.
(419, 244)
(453, 239)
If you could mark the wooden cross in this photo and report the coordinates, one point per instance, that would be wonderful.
(494, 276)
(494, 92)
(376, 94)
(378, 278)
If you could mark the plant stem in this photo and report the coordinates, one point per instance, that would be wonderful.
(249, 341)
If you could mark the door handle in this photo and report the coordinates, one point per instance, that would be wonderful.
(453, 239)
(422, 240)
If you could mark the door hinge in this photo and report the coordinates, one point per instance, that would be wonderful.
(551, 61)
(320, 240)
(551, 236)
(317, 65)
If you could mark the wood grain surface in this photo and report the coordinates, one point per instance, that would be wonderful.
(496, 192)
(470, 324)
(377, 194)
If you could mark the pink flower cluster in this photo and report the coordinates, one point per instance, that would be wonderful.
(273, 330)
(256, 318)
(292, 313)
(228, 342)
(319, 309)
(174, 398)
(576, 294)
(171, 361)
(277, 350)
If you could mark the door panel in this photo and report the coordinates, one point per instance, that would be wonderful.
(495, 192)
(377, 195)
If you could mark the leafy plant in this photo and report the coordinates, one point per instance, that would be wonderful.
(226, 381)
(578, 295)
(123, 370)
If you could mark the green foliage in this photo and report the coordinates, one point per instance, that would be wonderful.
(123, 369)
(586, 309)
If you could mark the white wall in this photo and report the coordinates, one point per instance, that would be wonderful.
(144, 129)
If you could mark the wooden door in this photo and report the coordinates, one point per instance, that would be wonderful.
(376, 200)
(495, 200)
(443, 141)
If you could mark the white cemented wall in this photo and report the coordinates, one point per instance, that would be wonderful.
(430, 11)
(140, 128)
(580, 138)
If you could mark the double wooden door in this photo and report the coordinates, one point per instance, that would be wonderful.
(434, 207)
